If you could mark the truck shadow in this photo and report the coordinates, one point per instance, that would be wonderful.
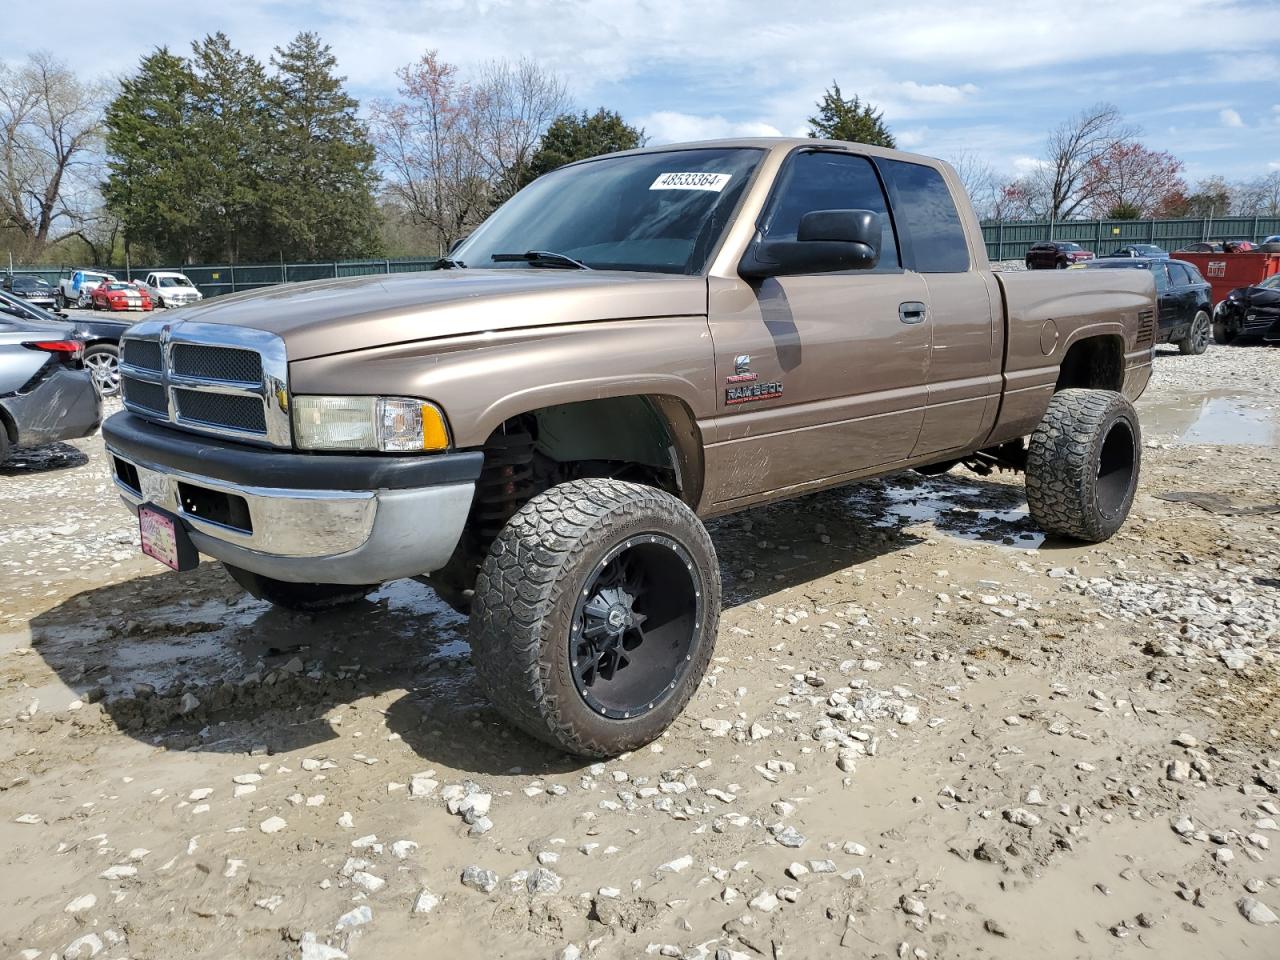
(188, 661)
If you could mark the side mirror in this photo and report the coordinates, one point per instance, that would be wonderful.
(827, 241)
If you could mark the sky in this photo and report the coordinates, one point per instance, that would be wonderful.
(988, 78)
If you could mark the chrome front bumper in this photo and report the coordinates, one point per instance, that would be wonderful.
(297, 517)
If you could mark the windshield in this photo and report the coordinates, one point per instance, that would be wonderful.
(659, 212)
(1271, 283)
(174, 282)
(28, 283)
(117, 285)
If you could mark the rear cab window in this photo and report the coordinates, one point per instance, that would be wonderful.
(933, 236)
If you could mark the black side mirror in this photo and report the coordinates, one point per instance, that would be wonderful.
(827, 241)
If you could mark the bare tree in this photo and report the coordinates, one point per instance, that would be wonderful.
(979, 181)
(1070, 151)
(514, 103)
(50, 123)
(1257, 198)
(453, 149)
(427, 141)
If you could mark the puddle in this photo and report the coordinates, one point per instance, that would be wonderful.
(1214, 418)
(960, 510)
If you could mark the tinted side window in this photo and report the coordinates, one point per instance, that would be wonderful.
(928, 216)
(824, 180)
(1161, 277)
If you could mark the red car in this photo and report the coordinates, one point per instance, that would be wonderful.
(120, 296)
(1056, 255)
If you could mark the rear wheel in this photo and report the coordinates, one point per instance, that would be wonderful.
(305, 597)
(594, 615)
(1197, 339)
(60, 299)
(103, 362)
(1083, 463)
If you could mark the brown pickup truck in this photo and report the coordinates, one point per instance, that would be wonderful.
(630, 344)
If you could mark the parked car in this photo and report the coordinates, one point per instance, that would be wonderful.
(1238, 246)
(1271, 244)
(168, 288)
(118, 295)
(1204, 247)
(77, 288)
(1140, 250)
(100, 336)
(45, 392)
(1250, 312)
(32, 289)
(1186, 302)
(590, 402)
(1056, 255)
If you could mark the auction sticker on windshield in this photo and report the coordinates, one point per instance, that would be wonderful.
(715, 182)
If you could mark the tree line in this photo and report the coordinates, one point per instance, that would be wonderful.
(216, 156)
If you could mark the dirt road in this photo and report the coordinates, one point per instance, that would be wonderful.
(926, 733)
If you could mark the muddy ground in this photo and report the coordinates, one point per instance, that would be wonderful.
(927, 732)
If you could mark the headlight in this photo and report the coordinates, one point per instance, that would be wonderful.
(389, 424)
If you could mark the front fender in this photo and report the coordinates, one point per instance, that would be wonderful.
(483, 379)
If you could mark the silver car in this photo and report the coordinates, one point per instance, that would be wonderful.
(45, 392)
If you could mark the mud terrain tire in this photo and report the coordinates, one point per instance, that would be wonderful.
(575, 562)
(1083, 464)
(302, 597)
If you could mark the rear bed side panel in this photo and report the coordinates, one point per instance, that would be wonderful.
(1046, 313)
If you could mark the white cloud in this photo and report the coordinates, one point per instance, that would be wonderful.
(668, 126)
(934, 92)
(911, 138)
(1230, 118)
(1025, 165)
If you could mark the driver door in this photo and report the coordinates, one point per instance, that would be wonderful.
(821, 376)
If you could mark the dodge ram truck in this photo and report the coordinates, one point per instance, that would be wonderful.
(630, 345)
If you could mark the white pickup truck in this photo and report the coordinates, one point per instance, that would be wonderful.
(168, 288)
(75, 290)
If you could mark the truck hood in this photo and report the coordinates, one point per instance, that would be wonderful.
(324, 317)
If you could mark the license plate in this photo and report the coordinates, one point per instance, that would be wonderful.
(165, 539)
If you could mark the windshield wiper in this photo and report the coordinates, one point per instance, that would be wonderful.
(448, 263)
(540, 258)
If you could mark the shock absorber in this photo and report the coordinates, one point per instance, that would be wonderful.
(505, 483)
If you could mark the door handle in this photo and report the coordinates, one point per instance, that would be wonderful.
(912, 311)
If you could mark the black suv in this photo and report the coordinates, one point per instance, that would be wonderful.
(1186, 303)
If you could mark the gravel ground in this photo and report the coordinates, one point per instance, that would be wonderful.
(927, 732)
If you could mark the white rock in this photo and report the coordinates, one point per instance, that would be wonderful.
(422, 785)
(425, 901)
(368, 881)
(89, 945)
(80, 904)
(1255, 911)
(119, 872)
(678, 865)
(401, 849)
(355, 918)
(764, 901)
(202, 793)
(717, 728)
(312, 950)
(272, 825)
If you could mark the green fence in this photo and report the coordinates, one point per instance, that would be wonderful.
(216, 279)
(1009, 240)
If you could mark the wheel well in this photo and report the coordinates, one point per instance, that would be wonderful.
(1095, 363)
(652, 440)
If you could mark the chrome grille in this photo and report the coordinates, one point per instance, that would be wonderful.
(144, 394)
(208, 378)
(216, 363)
(221, 410)
(142, 353)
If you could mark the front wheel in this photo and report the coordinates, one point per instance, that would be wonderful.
(1223, 332)
(303, 597)
(1082, 464)
(595, 614)
(1196, 341)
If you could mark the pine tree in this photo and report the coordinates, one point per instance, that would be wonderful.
(153, 159)
(230, 127)
(571, 138)
(851, 120)
(321, 172)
